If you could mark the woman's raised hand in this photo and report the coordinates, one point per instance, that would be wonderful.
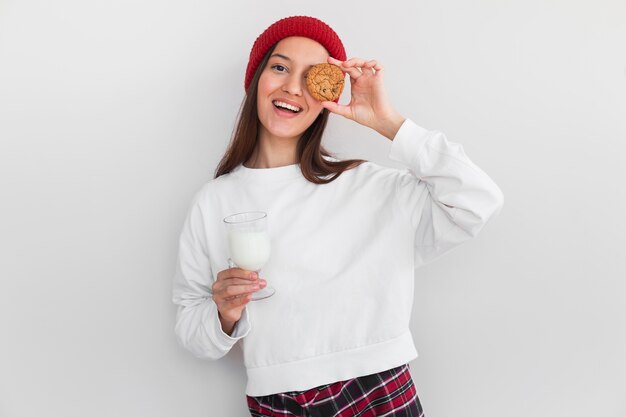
(369, 104)
(232, 290)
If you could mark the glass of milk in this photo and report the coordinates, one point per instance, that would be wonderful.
(249, 245)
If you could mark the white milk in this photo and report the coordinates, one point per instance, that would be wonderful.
(248, 249)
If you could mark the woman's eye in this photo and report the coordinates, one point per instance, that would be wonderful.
(279, 68)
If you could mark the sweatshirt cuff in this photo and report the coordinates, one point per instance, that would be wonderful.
(408, 143)
(221, 339)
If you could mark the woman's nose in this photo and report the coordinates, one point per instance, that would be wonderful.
(293, 85)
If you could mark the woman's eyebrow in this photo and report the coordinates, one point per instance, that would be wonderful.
(286, 58)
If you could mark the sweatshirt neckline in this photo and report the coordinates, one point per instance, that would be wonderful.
(268, 174)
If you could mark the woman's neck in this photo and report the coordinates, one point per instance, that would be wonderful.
(272, 155)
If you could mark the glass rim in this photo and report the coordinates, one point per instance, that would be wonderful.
(263, 215)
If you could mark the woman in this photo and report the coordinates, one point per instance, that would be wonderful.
(346, 237)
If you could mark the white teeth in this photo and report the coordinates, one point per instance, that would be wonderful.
(286, 106)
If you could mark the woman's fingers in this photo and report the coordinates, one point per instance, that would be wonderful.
(233, 302)
(235, 276)
(357, 62)
(227, 297)
(340, 109)
(233, 289)
(237, 300)
(230, 291)
(236, 273)
(355, 66)
(239, 281)
(373, 64)
(352, 71)
(241, 300)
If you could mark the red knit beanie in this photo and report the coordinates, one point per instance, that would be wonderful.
(306, 26)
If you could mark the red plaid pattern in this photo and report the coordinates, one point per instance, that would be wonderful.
(390, 393)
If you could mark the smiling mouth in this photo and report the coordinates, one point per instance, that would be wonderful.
(284, 106)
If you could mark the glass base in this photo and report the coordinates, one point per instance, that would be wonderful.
(263, 293)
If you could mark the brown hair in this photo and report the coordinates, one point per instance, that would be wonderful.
(309, 150)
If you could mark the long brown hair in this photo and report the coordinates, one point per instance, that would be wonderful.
(309, 151)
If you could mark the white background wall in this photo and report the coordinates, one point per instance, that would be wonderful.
(113, 113)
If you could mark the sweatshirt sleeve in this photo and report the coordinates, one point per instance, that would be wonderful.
(197, 323)
(446, 196)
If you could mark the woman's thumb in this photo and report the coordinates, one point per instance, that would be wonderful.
(337, 108)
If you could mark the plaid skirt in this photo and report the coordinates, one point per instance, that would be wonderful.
(389, 393)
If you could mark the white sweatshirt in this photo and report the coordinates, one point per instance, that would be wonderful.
(343, 260)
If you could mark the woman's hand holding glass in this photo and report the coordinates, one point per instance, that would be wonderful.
(232, 290)
(249, 244)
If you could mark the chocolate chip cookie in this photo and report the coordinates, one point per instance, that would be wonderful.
(325, 82)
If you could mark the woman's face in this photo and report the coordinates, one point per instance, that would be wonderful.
(284, 80)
